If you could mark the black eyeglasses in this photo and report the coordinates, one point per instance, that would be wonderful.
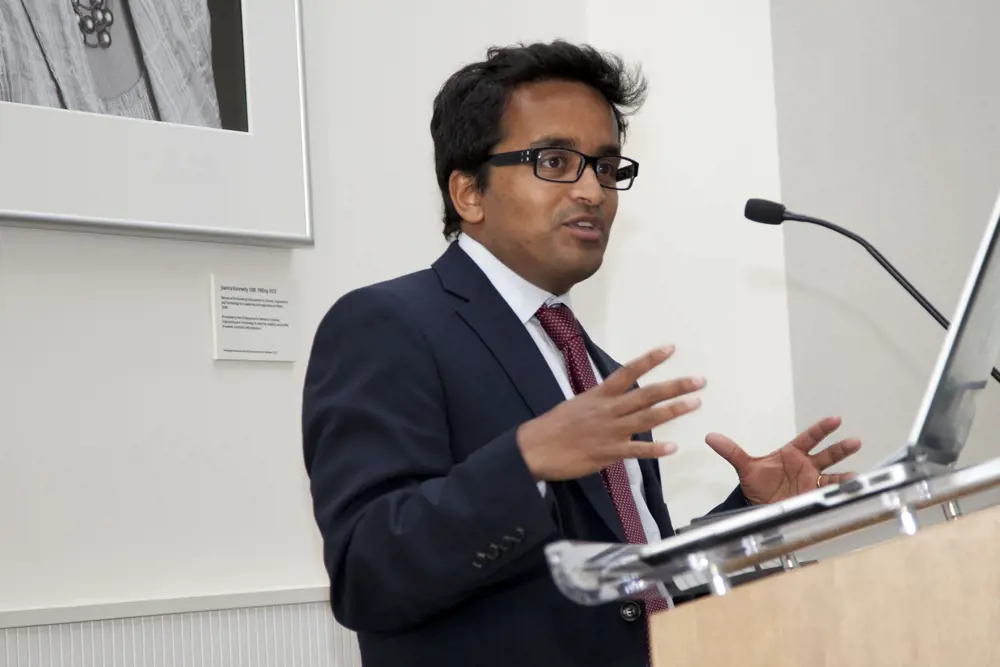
(565, 165)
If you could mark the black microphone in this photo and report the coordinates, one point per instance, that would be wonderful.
(773, 213)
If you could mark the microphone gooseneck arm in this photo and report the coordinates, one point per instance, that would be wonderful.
(913, 291)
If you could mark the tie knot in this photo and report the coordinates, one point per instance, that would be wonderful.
(560, 324)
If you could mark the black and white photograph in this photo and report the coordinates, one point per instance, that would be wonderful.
(194, 109)
(176, 61)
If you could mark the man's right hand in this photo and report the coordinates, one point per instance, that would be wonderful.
(594, 429)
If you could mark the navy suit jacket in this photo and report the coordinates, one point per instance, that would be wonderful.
(433, 527)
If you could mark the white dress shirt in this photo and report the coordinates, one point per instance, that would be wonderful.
(525, 299)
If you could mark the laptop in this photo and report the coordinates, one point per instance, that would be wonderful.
(939, 431)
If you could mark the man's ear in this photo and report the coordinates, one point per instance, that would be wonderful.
(466, 196)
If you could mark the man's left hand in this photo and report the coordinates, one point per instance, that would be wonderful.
(791, 470)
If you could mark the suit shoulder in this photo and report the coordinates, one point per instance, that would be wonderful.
(409, 297)
(419, 285)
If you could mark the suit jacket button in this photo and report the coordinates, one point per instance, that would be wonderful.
(630, 612)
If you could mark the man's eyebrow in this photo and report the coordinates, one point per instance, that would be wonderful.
(566, 142)
(554, 141)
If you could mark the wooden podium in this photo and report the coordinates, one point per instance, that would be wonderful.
(931, 599)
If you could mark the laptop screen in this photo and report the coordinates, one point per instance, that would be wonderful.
(963, 367)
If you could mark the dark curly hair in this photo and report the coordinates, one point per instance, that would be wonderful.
(469, 108)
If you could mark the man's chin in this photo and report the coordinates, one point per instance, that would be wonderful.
(584, 268)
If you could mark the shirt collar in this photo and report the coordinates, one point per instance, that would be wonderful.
(523, 297)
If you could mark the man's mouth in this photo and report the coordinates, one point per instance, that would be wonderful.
(586, 229)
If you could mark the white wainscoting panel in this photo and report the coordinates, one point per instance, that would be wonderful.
(293, 635)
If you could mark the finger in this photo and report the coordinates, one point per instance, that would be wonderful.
(834, 454)
(650, 418)
(625, 377)
(640, 449)
(837, 478)
(729, 450)
(812, 436)
(644, 397)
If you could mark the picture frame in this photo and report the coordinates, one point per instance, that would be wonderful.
(210, 144)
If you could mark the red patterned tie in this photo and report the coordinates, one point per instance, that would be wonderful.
(565, 331)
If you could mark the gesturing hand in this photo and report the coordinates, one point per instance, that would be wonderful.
(594, 429)
(788, 471)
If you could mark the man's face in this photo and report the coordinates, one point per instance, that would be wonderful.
(552, 234)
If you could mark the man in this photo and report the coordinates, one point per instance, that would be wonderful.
(458, 419)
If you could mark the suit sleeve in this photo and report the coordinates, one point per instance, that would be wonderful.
(735, 501)
(408, 531)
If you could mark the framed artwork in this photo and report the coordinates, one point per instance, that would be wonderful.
(176, 118)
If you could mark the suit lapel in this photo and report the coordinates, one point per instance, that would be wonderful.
(486, 312)
(605, 364)
(501, 331)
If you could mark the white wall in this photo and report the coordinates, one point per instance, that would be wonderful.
(683, 267)
(887, 125)
(133, 467)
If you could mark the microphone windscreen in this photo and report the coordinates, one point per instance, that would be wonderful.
(762, 210)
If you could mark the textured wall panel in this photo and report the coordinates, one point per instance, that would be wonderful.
(300, 635)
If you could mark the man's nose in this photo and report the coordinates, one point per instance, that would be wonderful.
(588, 188)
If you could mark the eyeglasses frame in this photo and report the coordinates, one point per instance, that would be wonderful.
(530, 156)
